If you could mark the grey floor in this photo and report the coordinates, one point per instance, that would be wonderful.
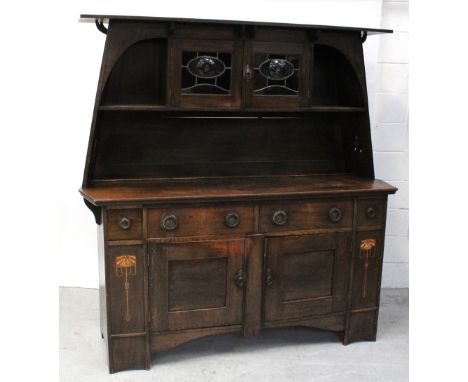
(274, 356)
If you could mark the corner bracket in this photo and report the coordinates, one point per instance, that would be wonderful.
(100, 26)
(363, 36)
(95, 210)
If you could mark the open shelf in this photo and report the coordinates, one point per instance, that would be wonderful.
(139, 75)
(335, 83)
(151, 145)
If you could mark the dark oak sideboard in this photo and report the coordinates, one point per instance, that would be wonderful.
(230, 173)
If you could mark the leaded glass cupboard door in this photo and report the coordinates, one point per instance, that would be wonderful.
(206, 73)
(276, 75)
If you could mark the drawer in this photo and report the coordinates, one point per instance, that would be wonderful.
(124, 224)
(301, 215)
(200, 221)
(371, 212)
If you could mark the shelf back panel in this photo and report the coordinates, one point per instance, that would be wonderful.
(134, 145)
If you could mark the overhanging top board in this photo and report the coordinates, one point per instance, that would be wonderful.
(106, 18)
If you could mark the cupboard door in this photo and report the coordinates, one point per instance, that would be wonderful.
(306, 275)
(276, 75)
(206, 73)
(196, 284)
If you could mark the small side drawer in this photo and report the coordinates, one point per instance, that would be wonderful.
(302, 215)
(200, 221)
(371, 212)
(124, 224)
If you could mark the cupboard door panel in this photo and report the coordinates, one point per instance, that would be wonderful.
(206, 73)
(276, 74)
(196, 284)
(207, 287)
(306, 276)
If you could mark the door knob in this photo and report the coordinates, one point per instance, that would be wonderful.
(125, 223)
(247, 73)
(280, 217)
(335, 214)
(232, 219)
(268, 277)
(240, 278)
(169, 222)
(370, 212)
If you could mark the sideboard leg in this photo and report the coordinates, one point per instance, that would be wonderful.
(361, 326)
(128, 330)
(127, 353)
(366, 274)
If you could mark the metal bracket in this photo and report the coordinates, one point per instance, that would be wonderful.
(363, 36)
(100, 26)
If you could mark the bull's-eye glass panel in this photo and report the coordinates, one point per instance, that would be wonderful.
(276, 74)
(206, 72)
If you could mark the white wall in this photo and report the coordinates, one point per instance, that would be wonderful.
(390, 137)
(77, 48)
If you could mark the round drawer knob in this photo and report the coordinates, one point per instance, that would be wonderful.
(335, 214)
(169, 222)
(232, 219)
(280, 217)
(370, 212)
(125, 223)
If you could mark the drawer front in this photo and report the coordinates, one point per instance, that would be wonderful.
(302, 215)
(200, 221)
(371, 212)
(124, 224)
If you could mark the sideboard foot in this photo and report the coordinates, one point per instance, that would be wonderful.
(128, 353)
(361, 326)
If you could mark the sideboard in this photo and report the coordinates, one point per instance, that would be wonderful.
(230, 173)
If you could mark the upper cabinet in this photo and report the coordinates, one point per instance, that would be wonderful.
(189, 99)
(259, 70)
